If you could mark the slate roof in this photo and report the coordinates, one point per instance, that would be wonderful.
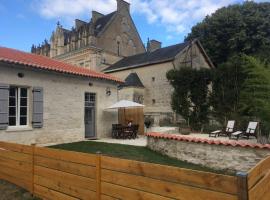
(102, 22)
(157, 56)
(13, 56)
(133, 80)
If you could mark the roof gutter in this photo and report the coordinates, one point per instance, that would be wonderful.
(17, 64)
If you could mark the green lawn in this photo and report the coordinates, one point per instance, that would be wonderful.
(131, 152)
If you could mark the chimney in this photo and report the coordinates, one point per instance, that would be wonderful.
(121, 4)
(95, 16)
(153, 45)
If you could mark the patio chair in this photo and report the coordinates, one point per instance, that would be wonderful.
(135, 129)
(251, 131)
(116, 129)
(226, 132)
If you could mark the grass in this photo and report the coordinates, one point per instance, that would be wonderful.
(133, 153)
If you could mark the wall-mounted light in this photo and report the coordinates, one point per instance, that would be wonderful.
(108, 91)
(90, 84)
(20, 75)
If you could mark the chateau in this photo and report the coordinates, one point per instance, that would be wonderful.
(111, 44)
(96, 44)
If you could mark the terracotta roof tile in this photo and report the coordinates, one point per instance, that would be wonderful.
(41, 62)
(208, 141)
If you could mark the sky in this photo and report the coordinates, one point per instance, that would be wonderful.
(27, 22)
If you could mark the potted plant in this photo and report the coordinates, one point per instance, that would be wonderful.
(148, 122)
(184, 129)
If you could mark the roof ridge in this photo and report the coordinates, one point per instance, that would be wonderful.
(159, 55)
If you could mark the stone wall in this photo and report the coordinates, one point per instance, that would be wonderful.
(63, 106)
(156, 85)
(220, 157)
(158, 91)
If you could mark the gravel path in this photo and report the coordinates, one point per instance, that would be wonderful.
(9, 191)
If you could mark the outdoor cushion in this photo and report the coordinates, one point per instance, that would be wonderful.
(217, 131)
(251, 127)
(214, 133)
(236, 133)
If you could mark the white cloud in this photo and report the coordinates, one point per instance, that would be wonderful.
(65, 9)
(177, 16)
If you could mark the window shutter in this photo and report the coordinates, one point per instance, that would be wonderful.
(37, 118)
(4, 97)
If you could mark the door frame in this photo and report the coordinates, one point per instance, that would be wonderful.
(95, 114)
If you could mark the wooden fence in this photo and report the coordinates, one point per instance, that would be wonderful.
(258, 181)
(58, 174)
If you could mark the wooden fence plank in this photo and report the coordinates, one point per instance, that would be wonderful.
(16, 147)
(256, 173)
(51, 194)
(125, 193)
(262, 189)
(16, 173)
(15, 156)
(163, 188)
(70, 156)
(15, 180)
(18, 165)
(217, 182)
(73, 180)
(63, 187)
(73, 168)
(105, 197)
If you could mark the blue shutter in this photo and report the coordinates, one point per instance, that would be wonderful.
(37, 118)
(4, 97)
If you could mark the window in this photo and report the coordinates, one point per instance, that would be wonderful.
(153, 79)
(153, 101)
(18, 106)
(81, 64)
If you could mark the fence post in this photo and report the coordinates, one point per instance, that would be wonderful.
(98, 175)
(33, 167)
(242, 185)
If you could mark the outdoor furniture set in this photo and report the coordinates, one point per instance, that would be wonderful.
(125, 132)
(230, 131)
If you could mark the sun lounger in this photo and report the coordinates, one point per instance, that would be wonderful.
(226, 132)
(215, 133)
(251, 131)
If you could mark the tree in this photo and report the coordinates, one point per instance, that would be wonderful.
(227, 83)
(241, 28)
(190, 96)
(255, 94)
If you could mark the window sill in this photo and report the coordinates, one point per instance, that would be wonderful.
(19, 128)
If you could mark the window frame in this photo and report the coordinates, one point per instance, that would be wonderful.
(18, 106)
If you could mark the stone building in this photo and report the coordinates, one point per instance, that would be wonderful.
(145, 75)
(46, 101)
(96, 44)
(111, 43)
